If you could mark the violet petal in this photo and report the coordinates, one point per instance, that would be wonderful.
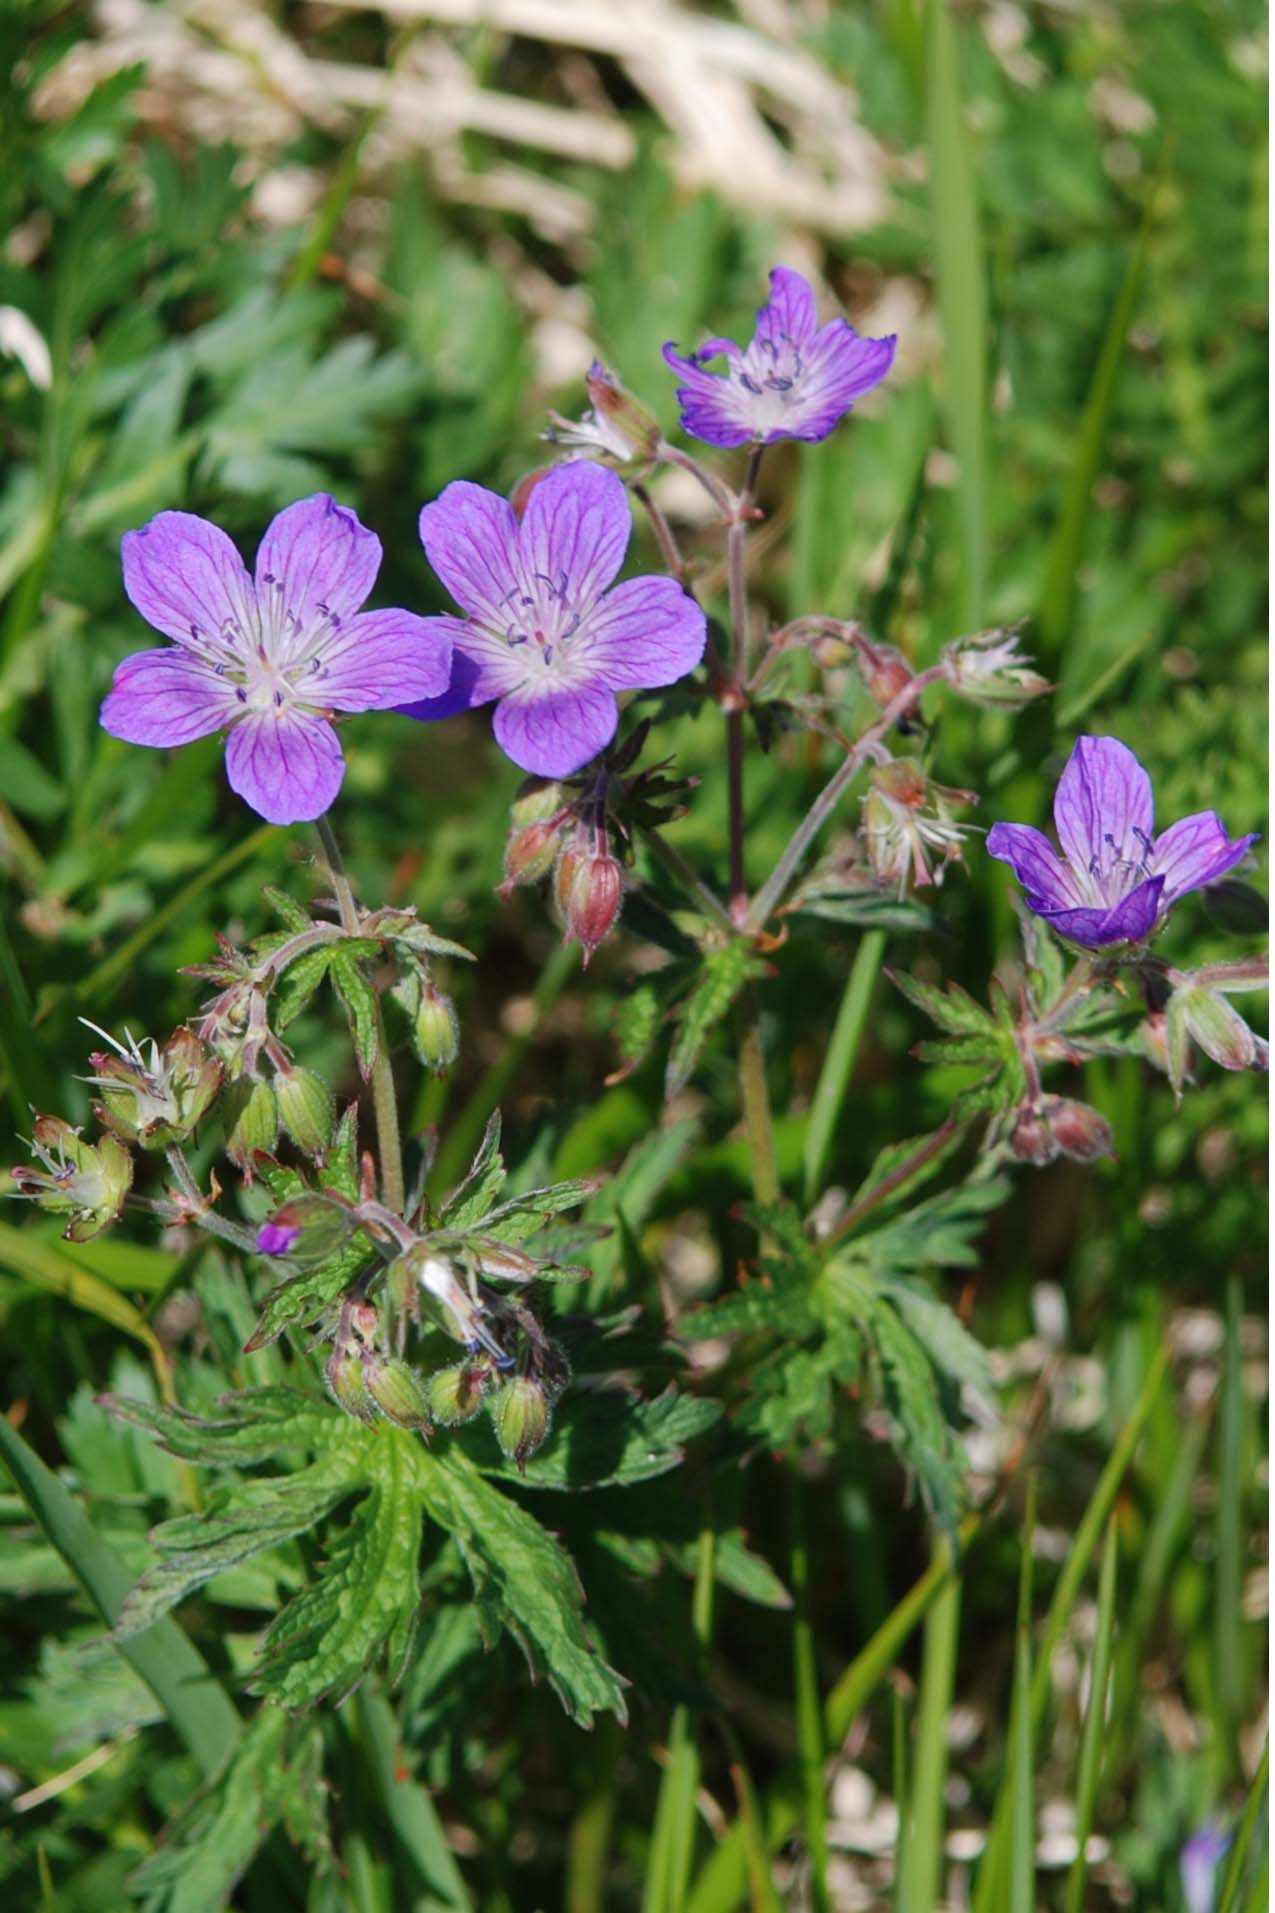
(470, 537)
(552, 728)
(575, 530)
(166, 698)
(1035, 863)
(646, 632)
(1104, 811)
(384, 659)
(186, 578)
(315, 559)
(1194, 852)
(287, 764)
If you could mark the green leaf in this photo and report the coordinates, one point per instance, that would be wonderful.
(472, 1198)
(923, 1436)
(305, 1296)
(299, 982)
(48, 1267)
(255, 1424)
(524, 1581)
(275, 1776)
(26, 785)
(722, 977)
(953, 1009)
(940, 1232)
(359, 998)
(637, 1019)
(293, 915)
(365, 1601)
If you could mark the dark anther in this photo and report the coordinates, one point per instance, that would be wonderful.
(750, 385)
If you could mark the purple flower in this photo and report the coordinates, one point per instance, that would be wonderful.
(268, 658)
(1200, 1860)
(796, 380)
(277, 1238)
(1117, 881)
(543, 635)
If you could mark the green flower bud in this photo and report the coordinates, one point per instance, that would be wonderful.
(456, 1394)
(87, 1181)
(520, 1414)
(537, 801)
(1219, 1030)
(252, 1122)
(346, 1379)
(397, 1391)
(306, 1108)
(436, 1030)
(152, 1097)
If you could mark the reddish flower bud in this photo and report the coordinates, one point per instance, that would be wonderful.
(887, 675)
(1079, 1131)
(590, 890)
(530, 853)
(1031, 1139)
(520, 496)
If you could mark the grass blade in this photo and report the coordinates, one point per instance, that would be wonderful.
(810, 1741)
(197, 1706)
(407, 1805)
(962, 298)
(1057, 608)
(589, 1840)
(673, 1836)
(1232, 1879)
(919, 1888)
(838, 1064)
(1091, 1744)
(1228, 1614)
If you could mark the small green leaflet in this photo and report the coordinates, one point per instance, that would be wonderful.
(723, 975)
(601, 1438)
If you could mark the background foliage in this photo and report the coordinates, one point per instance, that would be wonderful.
(1070, 236)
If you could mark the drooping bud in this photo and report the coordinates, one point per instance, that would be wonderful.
(456, 1394)
(530, 854)
(397, 1391)
(1218, 1029)
(886, 672)
(85, 1181)
(252, 1122)
(306, 1108)
(990, 670)
(309, 1228)
(1079, 1130)
(907, 826)
(436, 1030)
(521, 1415)
(590, 889)
(617, 425)
(151, 1097)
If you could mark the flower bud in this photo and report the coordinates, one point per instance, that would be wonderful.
(154, 1098)
(537, 801)
(530, 853)
(989, 669)
(1031, 1138)
(1217, 1029)
(520, 496)
(306, 1108)
(520, 1414)
(309, 1228)
(886, 674)
(456, 1394)
(346, 1379)
(436, 1030)
(1079, 1130)
(85, 1181)
(397, 1391)
(252, 1122)
(589, 891)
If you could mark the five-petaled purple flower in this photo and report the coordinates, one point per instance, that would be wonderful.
(269, 657)
(543, 635)
(1118, 880)
(796, 379)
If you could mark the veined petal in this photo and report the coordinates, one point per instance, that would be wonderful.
(286, 763)
(1128, 921)
(383, 659)
(470, 537)
(552, 728)
(1194, 852)
(646, 632)
(712, 407)
(1103, 808)
(789, 315)
(186, 578)
(315, 559)
(839, 367)
(1035, 863)
(575, 531)
(166, 698)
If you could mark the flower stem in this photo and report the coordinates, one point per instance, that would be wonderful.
(384, 1105)
(810, 1742)
(664, 538)
(755, 1097)
(682, 874)
(199, 1213)
(775, 888)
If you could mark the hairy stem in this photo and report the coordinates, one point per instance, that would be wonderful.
(775, 888)
(670, 551)
(384, 1103)
(198, 1212)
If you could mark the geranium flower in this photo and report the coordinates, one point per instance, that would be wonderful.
(543, 635)
(1117, 881)
(796, 380)
(268, 658)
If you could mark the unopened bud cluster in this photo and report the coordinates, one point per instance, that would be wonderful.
(1053, 1126)
(552, 831)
